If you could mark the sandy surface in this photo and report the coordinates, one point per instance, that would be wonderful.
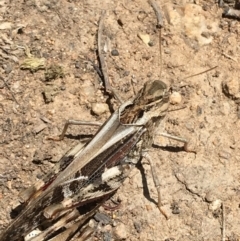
(195, 38)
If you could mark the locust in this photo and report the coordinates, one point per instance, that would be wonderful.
(90, 173)
(93, 172)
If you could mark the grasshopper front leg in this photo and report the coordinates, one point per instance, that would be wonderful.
(156, 182)
(73, 122)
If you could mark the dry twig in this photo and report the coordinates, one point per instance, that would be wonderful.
(223, 223)
(158, 13)
(5, 83)
(100, 55)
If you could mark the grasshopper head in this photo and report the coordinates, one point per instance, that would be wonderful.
(154, 92)
(153, 100)
(150, 103)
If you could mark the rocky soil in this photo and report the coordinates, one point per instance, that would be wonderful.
(47, 78)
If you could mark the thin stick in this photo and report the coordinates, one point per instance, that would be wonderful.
(160, 52)
(100, 55)
(205, 71)
(103, 64)
(223, 223)
(158, 13)
(5, 83)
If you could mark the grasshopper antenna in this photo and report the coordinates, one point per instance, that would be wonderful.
(159, 26)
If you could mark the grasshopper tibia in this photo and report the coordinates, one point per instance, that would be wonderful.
(181, 139)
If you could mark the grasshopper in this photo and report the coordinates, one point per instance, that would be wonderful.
(89, 174)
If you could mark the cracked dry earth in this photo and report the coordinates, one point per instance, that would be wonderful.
(204, 108)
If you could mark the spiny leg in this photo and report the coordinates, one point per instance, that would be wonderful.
(178, 138)
(156, 182)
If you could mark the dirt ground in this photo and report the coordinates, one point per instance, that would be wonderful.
(197, 189)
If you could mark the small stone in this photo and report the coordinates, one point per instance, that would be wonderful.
(91, 223)
(137, 226)
(151, 43)
(199, 110)
(215, 205)
(120, 232)
(121, 21)
(8, 68)
(175, 208)
(39, 128)
(224, 154)
(175, 98)
(231, 87)
(226, 108)
(99, 108)
(45, 119)
(167, 51)
(114, 52)
(77, 65)
(145, 38)
(210, 197)
(49, 93)
(149, 207)
(103, 218)
(142, 15)
(5, 25)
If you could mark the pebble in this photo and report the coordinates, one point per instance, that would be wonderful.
(39, 128)
(215, 205)
(8, 68)
(114, 52)
(144, 37)
(210, 197)
(77, 65)
(224, 154)
(231, 87)
(88, 90)
(5, 25)
(175, 98)
(120, 232)
(138, 226)
(99, 108)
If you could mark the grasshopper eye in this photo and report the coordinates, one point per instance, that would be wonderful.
(155, 90)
